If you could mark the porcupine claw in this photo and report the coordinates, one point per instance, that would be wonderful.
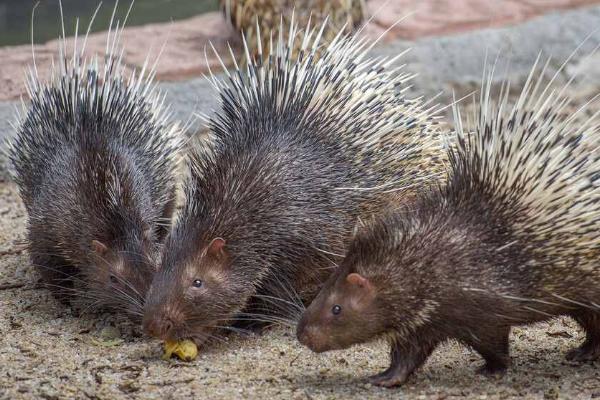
(589, 351)
(389, 378)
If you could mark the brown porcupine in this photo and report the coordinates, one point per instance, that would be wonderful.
(94, 160)
(302, 147)
(251, 17)
(512, 238)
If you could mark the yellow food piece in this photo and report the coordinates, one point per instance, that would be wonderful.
(185, 350)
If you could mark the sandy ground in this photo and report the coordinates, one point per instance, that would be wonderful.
(47, 352)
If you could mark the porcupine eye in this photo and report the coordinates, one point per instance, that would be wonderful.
(113, 279)
(336, 309)
(197, 283)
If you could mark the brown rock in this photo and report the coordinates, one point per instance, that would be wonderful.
(183, 44)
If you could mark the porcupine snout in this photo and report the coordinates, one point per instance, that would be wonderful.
(310, 336)
(161, 326)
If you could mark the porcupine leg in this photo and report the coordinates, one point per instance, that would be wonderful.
(403, 362)
(56, 274)
(493, 346)
(254, 318)
(590, 349)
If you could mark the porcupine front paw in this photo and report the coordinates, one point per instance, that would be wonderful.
(589, 351)
(493, 370)
(404, 361)
(390, 378)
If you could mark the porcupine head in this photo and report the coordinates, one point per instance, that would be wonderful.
(122, 269)
(349, 308)
(194, 293)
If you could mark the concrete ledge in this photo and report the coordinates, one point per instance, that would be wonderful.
(444, 17)
(451, 62)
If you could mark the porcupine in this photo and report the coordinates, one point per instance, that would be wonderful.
(302, 147)
(251, 17)
(94, 160)
(512, 238)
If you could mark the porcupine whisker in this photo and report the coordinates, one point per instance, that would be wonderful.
(129, 299)
(267, 313)
(121, 294)
(91, 307)
(67, 290)
(94, 299)
(212, 337)
(233, 329)
(508, 317)
(203, 335)
(279, 303)
(287, 287)
(136, 298)
(67, 276)
(528, 299)
(272, 305)
(570, 300)
(277, 300)
(535, 310)
(261, 318)
(237, 317)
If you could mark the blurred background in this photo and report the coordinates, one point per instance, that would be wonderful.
(449, 38)
(15, 15)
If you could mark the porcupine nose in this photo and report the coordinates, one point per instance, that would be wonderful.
(159, 327)
(306, 334)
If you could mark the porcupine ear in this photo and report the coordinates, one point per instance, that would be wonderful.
(98, 247)
(358, 281)
(363, 291)
(216, 249)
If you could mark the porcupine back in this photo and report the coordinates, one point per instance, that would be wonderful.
(301, 148)
(94, 159)
(347, 103)
(538, 164)
(245, 15)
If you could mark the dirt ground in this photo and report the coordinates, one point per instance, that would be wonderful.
(47, 352)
